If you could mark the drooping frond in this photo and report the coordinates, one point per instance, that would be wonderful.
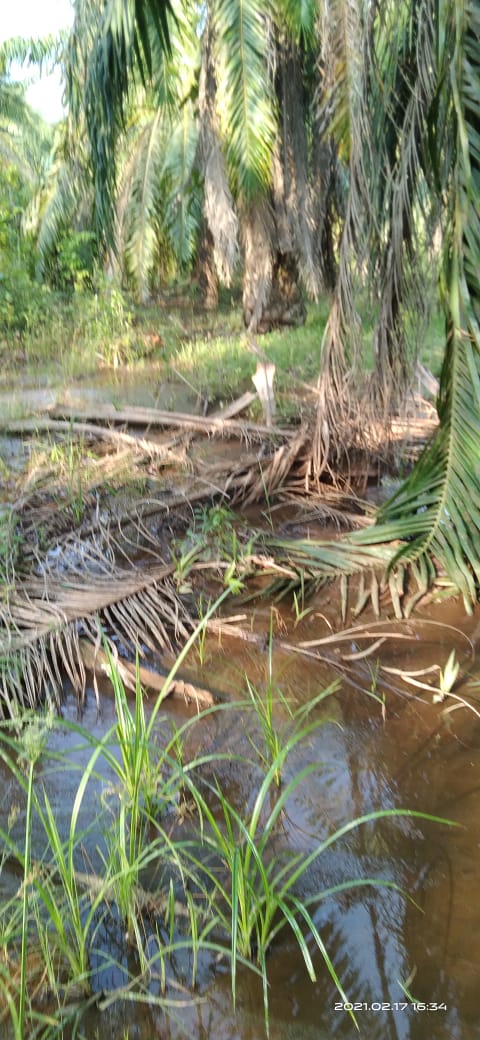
(343, 110)
(158, 198)
(246, 96)
(218, 204)
(342, 30)
(25, 139)
(106, 43)
(45, 52)
(300, 18)
(140, 237)
(437, 510)
(63, 200)
(402, 85)
(181, 202)
(294, 212)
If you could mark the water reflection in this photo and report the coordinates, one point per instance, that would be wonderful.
(412, 755)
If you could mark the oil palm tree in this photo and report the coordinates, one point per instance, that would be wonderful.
(418, 107)
(411, 77)
(250, 99)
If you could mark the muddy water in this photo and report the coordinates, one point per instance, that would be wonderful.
(406, 752)
(143, 387)
(416, 755)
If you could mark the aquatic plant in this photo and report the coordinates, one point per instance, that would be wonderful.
(252, 887)
(266, 700)
(224, 886)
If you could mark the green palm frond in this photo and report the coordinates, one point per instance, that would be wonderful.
(13, 104)
(300, 17)
(437, 510)
(45, 52)
(25, 139)
(58, 210)
(246, 95)
(141, 206)
(342, 56)
(108, 41)
(181, 201)
(402, 213)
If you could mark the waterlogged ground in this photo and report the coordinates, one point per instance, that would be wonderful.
(409, 960)
(406, 752)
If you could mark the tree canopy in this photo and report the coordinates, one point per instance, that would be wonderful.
(326, 145)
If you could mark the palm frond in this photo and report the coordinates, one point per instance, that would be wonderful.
(44, 52)
(402, 85)
(40, 629)
(58, 206)
(246, 95)
(108, 41)
(300, 18)
(437, 511)
(140, 215)
(218, 205)
(294, 212)
(343, 112)
(181, 201)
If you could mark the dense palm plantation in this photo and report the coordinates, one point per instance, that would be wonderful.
(303, 146)
(388, 93)
(149, 857)
(214, 148)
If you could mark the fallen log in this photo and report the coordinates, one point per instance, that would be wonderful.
(235, 407)
(106, 433)
(156, 417)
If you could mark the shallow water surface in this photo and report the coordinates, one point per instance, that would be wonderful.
(408, 957)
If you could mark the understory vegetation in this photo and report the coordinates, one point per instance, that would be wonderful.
(169, 878)
(239, 298)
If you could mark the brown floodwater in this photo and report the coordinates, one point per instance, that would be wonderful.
(394, 750)
(401, 751)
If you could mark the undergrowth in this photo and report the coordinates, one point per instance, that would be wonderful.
(181, 876)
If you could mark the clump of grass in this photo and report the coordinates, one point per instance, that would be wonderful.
(227, 885)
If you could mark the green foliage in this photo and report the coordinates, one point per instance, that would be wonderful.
(211, 535)
(247, 99)
(436, 512)
(225, 888)
(21, 301)
(74, 264)
(116, 37)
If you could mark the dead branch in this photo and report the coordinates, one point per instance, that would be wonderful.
(235, 407)
(156, 417)
(141, 444)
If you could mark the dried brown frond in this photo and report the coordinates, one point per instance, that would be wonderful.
(41, 622)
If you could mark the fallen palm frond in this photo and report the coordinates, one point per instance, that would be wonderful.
(267, 476)
(380, 571)
(41, 622)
